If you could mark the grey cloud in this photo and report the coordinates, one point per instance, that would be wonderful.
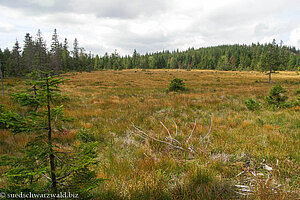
(7, 28)
(34, 7)
(105, 25)
(103, 8)
(127, 40)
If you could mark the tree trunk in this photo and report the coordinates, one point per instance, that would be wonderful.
(52, 164)
(270, 75)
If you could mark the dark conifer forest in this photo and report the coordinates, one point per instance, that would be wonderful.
(35, 55)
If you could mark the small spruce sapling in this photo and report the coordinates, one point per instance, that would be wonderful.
(277, 97)
(45, 162)
(176, 85)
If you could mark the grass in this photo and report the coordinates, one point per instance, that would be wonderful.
(107, 102)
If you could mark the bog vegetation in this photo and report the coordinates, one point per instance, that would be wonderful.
(195, 124)
(230, 135)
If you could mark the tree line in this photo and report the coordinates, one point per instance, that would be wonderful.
(36, 56)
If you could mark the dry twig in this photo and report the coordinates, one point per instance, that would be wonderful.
(211, 123)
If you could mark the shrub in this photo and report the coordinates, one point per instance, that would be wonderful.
(252, 104)
(176, 85)
(277, 97)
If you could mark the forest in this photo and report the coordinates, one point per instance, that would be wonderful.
(35, 55)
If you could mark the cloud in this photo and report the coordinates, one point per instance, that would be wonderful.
(155, 25)
(103, 8)
(294, 39)
(6, 27)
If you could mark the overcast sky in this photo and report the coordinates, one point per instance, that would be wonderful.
(151, 25)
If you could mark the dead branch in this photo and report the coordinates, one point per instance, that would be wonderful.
(158, 140)
(211, 123)
(173, 140)
(170, 141)
(187, 141)
(166, 129)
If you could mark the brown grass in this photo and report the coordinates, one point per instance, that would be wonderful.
(108, 101)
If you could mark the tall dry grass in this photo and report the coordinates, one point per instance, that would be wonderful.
(107, 102)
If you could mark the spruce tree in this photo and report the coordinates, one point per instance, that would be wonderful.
(46, 164)
(55, 53)
(40, 57)
(16, 69)
(65, 56)
(28, 53)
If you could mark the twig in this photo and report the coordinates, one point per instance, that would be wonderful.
(173, 139)
(141, 136)
(68, 174)
(37, 164)
(211, 123)
(192, 132)
(46, 176)
(58, 158)
(166, 129)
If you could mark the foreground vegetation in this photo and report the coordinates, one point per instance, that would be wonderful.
(236, 152)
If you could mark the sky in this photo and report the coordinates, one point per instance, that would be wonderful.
(151, 25)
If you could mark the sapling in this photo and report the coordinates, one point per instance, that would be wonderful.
(47, 164)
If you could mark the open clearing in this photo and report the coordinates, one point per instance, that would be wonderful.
(238, 150)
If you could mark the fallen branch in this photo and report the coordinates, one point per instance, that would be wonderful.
(211, 123)
(158, 140)
(166, 129)
(170, 141)
(187, 141)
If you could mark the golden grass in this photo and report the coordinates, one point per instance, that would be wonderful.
(108, 101)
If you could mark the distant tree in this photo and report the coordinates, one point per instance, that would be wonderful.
(40, 57)
(56, 54)
(152, 62)
(173, 63)
(28, 53)
(6, 63)
(232, 62)
(16, 69)
(76, 49)
(96, 63)
(128, 62)
(135, 59)
(292, 62)
(224, 64)
(245, 62)
(269, 59)
(75, 55)
(65, 56)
